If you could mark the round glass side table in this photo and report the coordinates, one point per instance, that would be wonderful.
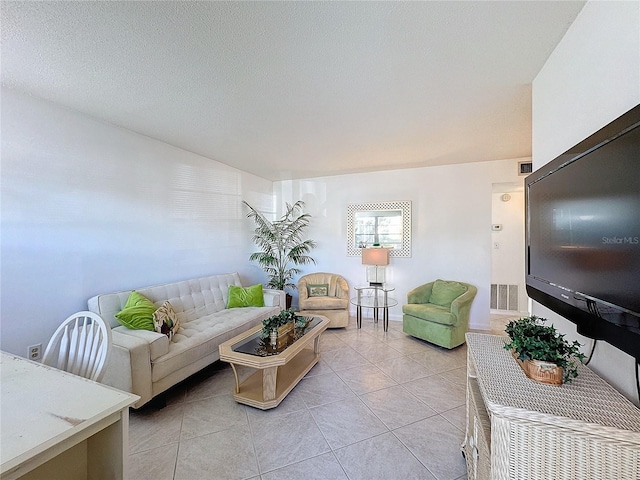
(376, 297)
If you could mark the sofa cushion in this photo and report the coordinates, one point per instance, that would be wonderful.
(200, 337)
(190, 299)
(137, 313)
(317, 289)
(324, 303)
(443, 292)
(430, 312)
(165, 320)
(245, 296)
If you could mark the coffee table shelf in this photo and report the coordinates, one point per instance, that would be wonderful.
(276, 375)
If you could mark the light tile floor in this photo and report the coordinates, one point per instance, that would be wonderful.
(377, 406)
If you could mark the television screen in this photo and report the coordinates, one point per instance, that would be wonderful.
(583, 236)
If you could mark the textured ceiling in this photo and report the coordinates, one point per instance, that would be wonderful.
(295, 89)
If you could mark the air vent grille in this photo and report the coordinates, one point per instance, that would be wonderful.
(525, 168)
(504, 297)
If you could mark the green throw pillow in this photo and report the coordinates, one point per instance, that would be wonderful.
(443, 292)
(245, 297)
(137, 313)
(318, 290)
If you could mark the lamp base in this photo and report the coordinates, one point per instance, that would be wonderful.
(375, 275)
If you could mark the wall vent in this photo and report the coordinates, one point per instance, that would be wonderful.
(504, 297)
(525, 168)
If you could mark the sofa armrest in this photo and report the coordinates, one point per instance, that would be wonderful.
(158, 342)
(274, 298)
(420, 294)
(129, 366)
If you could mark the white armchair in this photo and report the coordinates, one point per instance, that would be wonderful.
(332, 303)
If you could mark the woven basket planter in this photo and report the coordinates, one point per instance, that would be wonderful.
(541, 372)
(284, 334)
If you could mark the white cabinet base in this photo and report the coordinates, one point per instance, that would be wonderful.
(520, 429)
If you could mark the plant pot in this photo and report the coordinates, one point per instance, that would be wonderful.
(285, 329)
(285, 332)
(543, 372)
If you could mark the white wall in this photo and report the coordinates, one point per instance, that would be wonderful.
(591, 78)
(89, 208)
(508, 259)
(451, 231)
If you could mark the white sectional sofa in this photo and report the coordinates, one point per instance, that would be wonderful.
(147, 363)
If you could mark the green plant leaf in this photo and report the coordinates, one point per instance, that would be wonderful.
(281, 245)
(534, 341)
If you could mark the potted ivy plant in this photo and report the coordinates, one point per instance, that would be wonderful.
(539, 347)
(282, 246)
(284, 327)
(276, 321)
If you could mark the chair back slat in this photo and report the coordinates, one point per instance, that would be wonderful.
(97, 362)
(82, 343)
(72, 365)
(64, 348)
(90, 348)
(94, 340)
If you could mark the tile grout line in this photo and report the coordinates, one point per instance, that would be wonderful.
(253, 443)
(372, 337)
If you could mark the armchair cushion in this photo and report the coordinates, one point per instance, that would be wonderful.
(324, 303)
(430, 312)
(443, 292)
(318, 290)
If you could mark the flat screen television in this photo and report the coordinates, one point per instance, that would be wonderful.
(583, 234)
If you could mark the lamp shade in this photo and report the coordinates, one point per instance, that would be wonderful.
(375, 256)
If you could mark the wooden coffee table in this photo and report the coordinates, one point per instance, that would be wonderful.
(277, 371)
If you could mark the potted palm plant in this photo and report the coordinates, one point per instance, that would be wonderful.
(282, 246)
(543, 353)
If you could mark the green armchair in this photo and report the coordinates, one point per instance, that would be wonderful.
(438, 312)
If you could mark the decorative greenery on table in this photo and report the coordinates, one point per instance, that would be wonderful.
(284, 317)
(532, 340)
(281, 245)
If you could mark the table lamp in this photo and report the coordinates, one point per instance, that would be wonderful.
(375, 259)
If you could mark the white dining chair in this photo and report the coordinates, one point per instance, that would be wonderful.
(80, 345)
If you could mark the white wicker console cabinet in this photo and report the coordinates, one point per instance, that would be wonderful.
(520, 429)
